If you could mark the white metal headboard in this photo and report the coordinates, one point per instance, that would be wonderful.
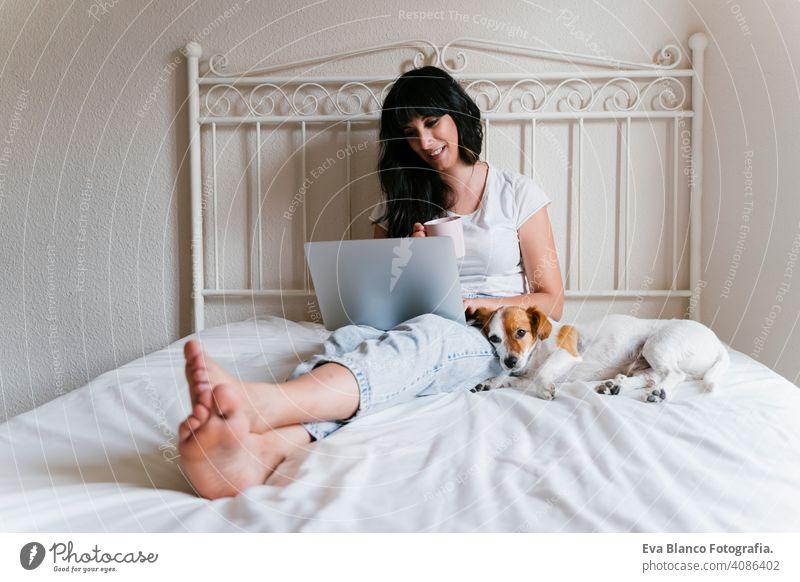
(603, 89)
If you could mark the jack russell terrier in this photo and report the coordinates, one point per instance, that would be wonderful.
(637, 353)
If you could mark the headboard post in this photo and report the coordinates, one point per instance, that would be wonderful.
(698, 43)
(193, 52)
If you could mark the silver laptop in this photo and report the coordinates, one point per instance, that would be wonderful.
(384, 282)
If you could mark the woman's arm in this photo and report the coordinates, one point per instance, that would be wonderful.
(540, 262)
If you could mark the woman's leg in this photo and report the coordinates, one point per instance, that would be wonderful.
(226, 445)
(426, 355)
(327, 392)
(314, 391)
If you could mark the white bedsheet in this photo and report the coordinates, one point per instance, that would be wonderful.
(101, 458)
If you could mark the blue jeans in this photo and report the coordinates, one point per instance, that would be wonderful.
(422, 356)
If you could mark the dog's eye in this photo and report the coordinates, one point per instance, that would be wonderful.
(494, 339)
(521, 333)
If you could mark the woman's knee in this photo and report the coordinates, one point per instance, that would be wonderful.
(347, 338)
(433, 329)
(429, 325)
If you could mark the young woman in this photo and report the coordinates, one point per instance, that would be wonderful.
(431, 136)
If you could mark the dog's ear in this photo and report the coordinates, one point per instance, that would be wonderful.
(540, 323)
(480, 317)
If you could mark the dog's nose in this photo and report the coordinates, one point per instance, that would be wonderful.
(510, 361)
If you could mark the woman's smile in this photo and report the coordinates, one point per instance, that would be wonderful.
(431, 137)
(437, 153)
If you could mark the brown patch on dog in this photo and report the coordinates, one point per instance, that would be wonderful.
(480, 317)
(567, 339)
(539, 322)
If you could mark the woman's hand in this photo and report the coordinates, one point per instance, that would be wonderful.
(419, 230)
(474, 303)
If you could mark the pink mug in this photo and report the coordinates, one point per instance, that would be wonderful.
(448, 226)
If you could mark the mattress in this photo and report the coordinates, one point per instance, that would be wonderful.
(103, 457)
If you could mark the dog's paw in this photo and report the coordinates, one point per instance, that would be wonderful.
(656, 395)
(543, 391)
(490, 384)
(609, 387)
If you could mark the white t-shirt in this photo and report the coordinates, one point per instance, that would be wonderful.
(492, 264)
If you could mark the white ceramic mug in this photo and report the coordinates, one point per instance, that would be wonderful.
(448, 226)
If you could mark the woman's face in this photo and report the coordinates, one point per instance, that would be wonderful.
(434, 139)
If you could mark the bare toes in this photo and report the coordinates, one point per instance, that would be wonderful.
(201, 412)
(198, 360)
(184, 430)
(205, 398)
(191, 349)
(200, 378)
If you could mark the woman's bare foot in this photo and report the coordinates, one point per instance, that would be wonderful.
(328, 392)
(203, 374)
(219, 454)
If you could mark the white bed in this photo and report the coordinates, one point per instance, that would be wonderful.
(101, 458)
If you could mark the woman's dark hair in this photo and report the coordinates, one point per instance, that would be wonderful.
(414, 191)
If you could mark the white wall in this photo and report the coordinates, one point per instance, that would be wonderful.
(94, 181)
(751, 222)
